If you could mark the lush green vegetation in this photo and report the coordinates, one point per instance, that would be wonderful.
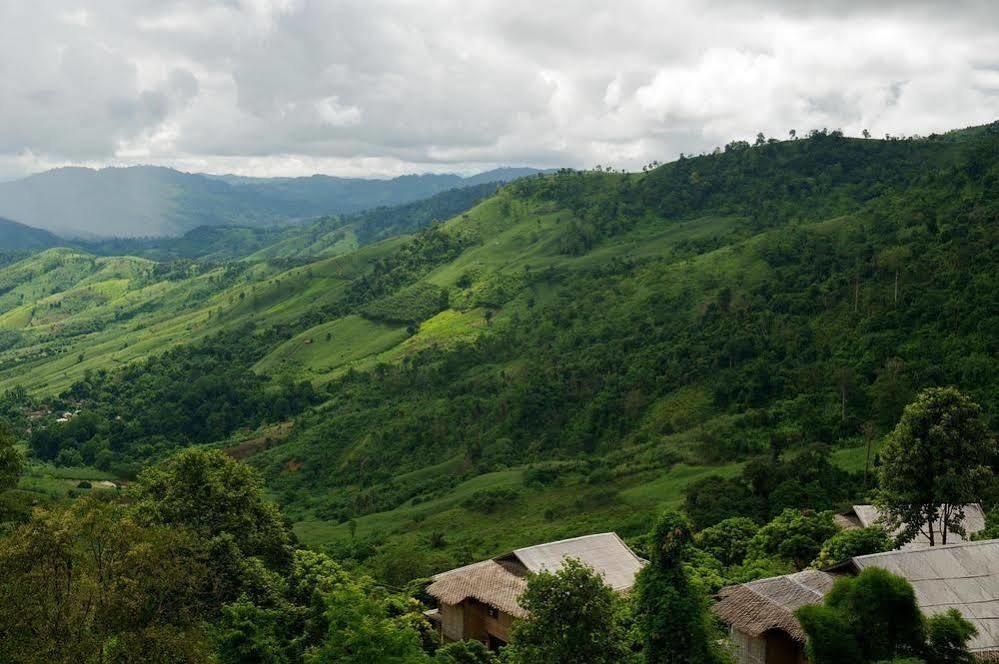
(732, 335)
(874, 617)
(747, 324)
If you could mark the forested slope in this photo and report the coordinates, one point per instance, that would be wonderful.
(571, 352)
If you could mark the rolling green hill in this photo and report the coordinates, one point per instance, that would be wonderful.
(584, 343)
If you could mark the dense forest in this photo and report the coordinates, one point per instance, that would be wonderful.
(736, 335)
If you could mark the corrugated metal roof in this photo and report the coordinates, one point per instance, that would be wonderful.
(869, 515)
(604, 552)
(500, 581)
(963, 576)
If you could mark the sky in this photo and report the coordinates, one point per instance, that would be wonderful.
(380, 88)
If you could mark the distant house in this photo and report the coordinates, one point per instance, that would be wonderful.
(479, 601)
(965, 576)
(864, 516)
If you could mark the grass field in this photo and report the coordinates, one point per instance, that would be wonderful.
(626, 505)
(319, 352)
(56, 481)
(541, 513)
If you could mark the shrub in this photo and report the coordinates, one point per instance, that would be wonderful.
(728, 541)
(464, 652)
(574, 618)
(849, 543)
(488, 501)
(794, 535)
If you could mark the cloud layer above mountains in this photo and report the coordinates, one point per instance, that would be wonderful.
(379, 87)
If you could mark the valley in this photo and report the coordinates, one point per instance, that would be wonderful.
(578, 347)
(499, 333)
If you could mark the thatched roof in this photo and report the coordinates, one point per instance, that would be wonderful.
(500, 581)
(963, 576)
(864, 516)
(758, 607)
(489, 582)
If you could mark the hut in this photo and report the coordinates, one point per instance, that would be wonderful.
(479, 601)
(864, 516)
(761, 620)
(963, 576)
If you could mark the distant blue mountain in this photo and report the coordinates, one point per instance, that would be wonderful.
(15, 236)
(143, 201)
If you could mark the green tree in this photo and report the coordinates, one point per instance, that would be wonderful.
(464, 652)
(670, 610)
(213, 495)
(948, 634)
(728, 541)
(829, 638)
(937, 460)
(715, 498)
(574, 617)
(361, 631)
(248, 633)
(873, 617)
(848, 543)
(991, 530)
(793, 535)
(87, 582)
(11, 459)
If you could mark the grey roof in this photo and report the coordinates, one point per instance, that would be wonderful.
(961, 576)
(864, 516)
(606, 553)
(500, 581)
(767, 604)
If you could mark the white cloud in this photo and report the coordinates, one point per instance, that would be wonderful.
(381, 87)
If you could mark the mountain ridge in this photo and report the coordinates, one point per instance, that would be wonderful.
(15, 236)
(566, 355)
(146, 201)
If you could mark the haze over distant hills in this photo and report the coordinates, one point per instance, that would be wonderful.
(142, 201)
(18, 236)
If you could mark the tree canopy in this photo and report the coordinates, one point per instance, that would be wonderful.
(938, 459)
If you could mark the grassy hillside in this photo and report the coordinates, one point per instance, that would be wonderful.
(566, 356)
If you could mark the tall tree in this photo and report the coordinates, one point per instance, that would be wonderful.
(11, 460)
(215, 496)
(574, 618)
(361, 631)
(874, 617)
(87, 583)
(671, 610)
(936, 461)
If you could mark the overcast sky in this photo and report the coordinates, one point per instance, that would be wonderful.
(294, 87)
